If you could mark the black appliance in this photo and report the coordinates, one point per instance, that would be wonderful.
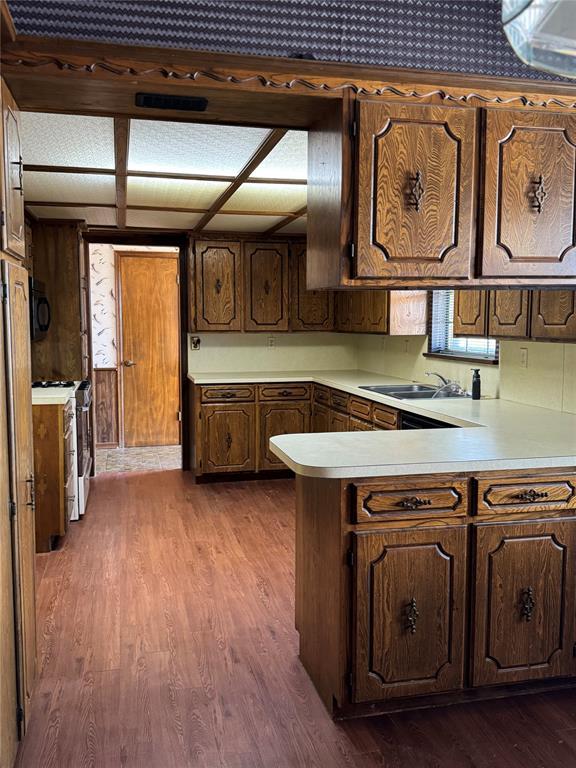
(39, 310)
(84, 427)
(414, 421)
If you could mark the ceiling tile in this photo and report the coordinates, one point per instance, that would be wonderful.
(288, 159)
(267, 197)
(97, 216)
(194, 148)
(162, 219)
(173, 192)
(296, 227)
(69, 187)
(234, 223)
(70, 140)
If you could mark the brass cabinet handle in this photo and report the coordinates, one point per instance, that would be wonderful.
(31, 492)
(412, 616)
(20, 165)
(129, 363)
(531, 495)
(218, 285)
(538, 195)
(229, 441)
(416, 192)
(413, 502)
(285, 392)
(527, 603)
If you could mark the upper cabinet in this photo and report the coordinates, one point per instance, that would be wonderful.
(554, 315)
(470, 313)
(266, 294)
(415, 189)
(396, 313)
(309, 310)
(529, 195)
(218, 272)
(13, 226)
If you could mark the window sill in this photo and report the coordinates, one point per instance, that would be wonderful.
(463, 358)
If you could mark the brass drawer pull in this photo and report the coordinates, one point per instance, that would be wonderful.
(527, 603)
(228, 395)
(531, 495)
(285, 392)
(412, 616)
(414, 502)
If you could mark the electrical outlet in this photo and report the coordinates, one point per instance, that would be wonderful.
(195, 342)
(272, 342)
(406, 346)
(523, 357)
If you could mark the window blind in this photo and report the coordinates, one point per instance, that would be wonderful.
(442, 331)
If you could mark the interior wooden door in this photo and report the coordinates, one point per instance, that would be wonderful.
(509, 314)
(218, 285)
(8, 675)
(529, 194)
(554, 315)
(410, 612)
(524, 622)
(266, 294)
(150, 348)
(470, 313)
(280, 419)
(309, 310)
(228, 438)
(17, 319)
(13, 228)
(415, 190)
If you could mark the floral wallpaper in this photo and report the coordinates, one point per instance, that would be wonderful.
(104, 301)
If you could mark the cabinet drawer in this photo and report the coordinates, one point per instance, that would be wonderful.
(530, 494)
(321, 394)
(284, 392)
(245, 392)
(358, 425)
(373, 502)
(339, 400)
(357, 406)
(385, 418)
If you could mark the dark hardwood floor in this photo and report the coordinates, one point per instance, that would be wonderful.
(166, 640)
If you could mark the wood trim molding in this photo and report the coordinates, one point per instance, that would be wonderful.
(289, 215)
(289, 218)
(121, 145)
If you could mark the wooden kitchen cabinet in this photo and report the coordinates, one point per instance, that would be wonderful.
(470, 313)
(309, 310)
(415, 190)
(266, 287)
(218, 270)
(397, 313)
(13, 225)
(280, 419)
(529, 195)
(339, 422)
(524, 617)
(409, 607)
(320, 418)
(554, 315)
(228, 437)
(509, 314)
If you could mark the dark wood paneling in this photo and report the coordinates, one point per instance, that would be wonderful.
(509, 314)
(409, 612)
(554, 315)
(106, 406)
(218, 286)
(266, 291)
(529, 195)
(415, 187)
(470, 308)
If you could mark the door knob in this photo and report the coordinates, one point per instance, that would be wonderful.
(129, 363)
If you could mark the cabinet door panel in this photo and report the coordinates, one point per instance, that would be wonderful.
(409, 603)
(509, 314)
(13, 229)
(266, 268)
(309, 310)
(524, 624)
(470, 313)
(554, 315)
(415, 190)
(228, 438)
(280, 419)
(530, 198)
(320, 418)
(218, 285)
(339, 422)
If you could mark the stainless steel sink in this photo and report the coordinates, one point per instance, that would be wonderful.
(386, 389)
(414, 392)
(427, 395)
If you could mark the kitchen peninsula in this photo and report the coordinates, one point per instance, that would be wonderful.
(434, 567)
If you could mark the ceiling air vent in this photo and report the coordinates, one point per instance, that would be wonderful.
(167, 101)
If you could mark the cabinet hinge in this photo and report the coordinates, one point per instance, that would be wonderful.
(179, 416)
(177, 279)
(3, 292)
(2, 219)
(19, 715)
(12, 509)
(350, 679)
(350, 557)
(574, 650)
(354, 129)
(352, 255)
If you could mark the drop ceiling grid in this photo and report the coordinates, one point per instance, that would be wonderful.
(91, 215)
(69, 187)
(296, 227)
(224, 222)
(179, 193)
(70, 140)
(288, 159)
(267, 197)
(162, 219)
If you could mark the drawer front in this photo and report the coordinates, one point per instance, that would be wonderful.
(245, 393)
(321, 394)
(375, 502)
(385, 418)
(538, 494)
(357, 406)
(284, 392)
(339, 400)
(358, 425)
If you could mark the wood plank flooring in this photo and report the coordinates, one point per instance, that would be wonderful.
(166, 640)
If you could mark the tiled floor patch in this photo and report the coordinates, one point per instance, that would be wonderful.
(138, 459)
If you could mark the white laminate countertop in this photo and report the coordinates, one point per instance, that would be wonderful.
(495, 435)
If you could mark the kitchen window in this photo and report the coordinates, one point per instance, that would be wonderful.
(441, 339)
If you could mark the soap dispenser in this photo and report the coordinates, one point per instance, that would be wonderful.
(476, 383)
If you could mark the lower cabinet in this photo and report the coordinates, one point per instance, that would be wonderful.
(524, 615)
(228, 437)
(339, 422)
(358, 425)
(409, 592)
(320, 418)
(280, 419)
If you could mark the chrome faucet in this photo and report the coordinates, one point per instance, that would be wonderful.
(451, 386)
(444, 381)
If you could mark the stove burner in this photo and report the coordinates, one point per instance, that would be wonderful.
(46, 384)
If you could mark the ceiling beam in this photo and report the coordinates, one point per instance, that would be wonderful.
(169, 208)
(121, 143)
(287, 220)
(276, 135)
